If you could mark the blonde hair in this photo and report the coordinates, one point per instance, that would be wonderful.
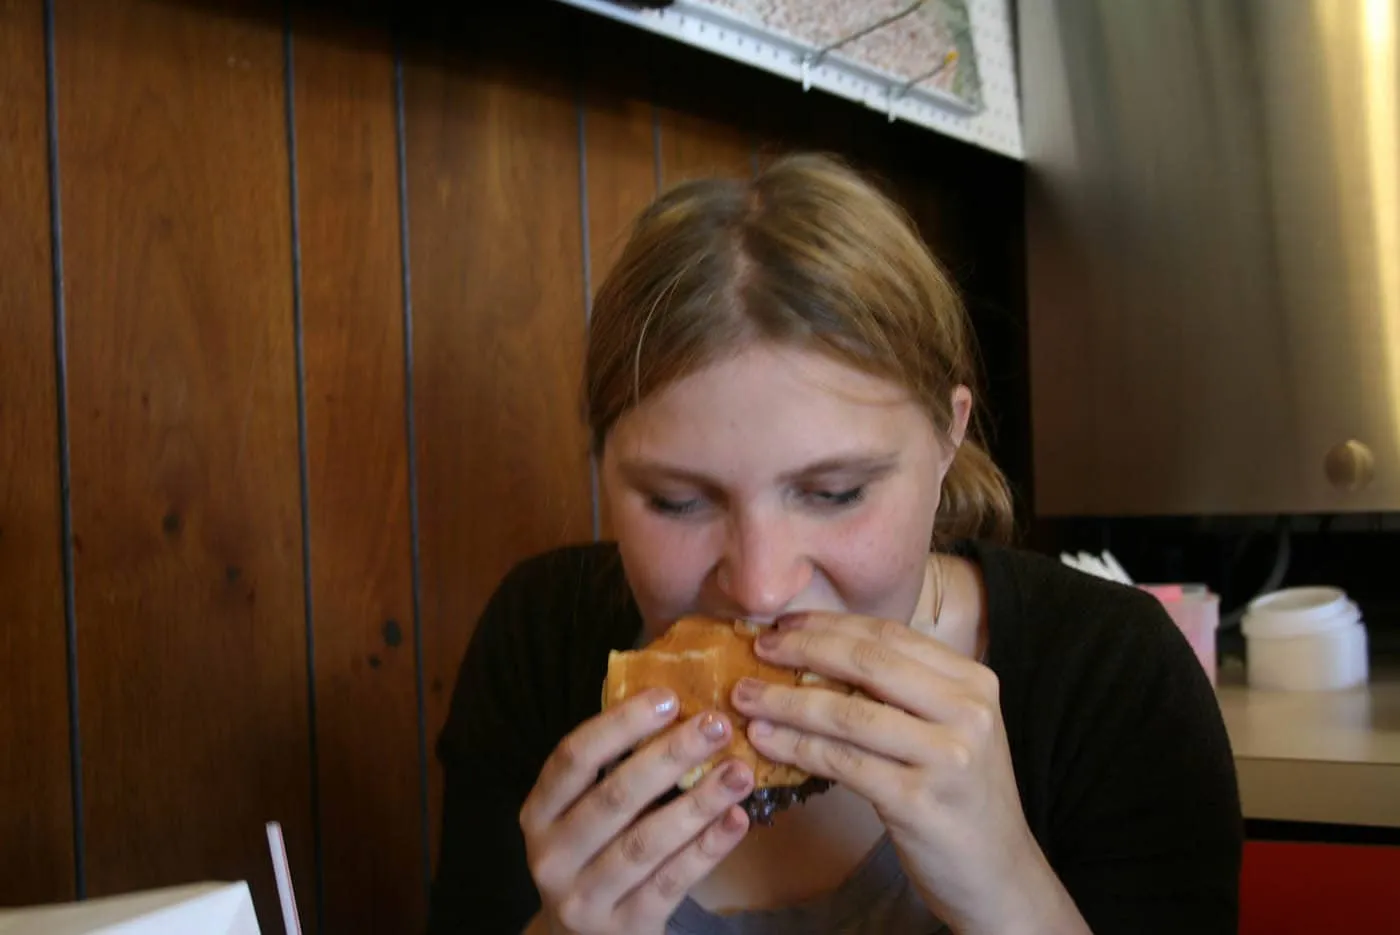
(806, 254)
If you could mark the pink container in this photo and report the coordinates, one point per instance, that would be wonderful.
(1197, 615)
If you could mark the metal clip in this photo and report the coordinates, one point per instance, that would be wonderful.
(814, 57)
(895, 95)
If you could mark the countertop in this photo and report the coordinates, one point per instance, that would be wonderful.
(1331, 757)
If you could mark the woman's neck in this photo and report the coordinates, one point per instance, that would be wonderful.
(952, 606)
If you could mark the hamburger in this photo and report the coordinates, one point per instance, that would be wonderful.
(701, 659)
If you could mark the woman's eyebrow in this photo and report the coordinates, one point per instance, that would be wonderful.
(868, 464)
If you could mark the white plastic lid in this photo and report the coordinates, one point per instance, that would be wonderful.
(1299, 611)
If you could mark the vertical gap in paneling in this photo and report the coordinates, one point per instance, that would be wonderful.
(587, 253)
(411, 435)
(656, 145)
(294, 199)
(60, 344)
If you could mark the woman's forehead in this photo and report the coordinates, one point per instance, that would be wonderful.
(790, 404)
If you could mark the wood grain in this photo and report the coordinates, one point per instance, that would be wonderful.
(619, 140)
(697, 147)
(36, 818)
(706, 110)
(186, 512)
(619, 145)
(493, 179)
(362, 598)
(621, 177)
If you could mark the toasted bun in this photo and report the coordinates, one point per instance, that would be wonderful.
(701, 659)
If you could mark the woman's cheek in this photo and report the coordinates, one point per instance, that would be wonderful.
(666, 563)
(876, 558)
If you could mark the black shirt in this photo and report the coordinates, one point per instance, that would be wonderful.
(1120, 753)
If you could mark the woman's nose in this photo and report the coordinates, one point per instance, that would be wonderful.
(763, 569)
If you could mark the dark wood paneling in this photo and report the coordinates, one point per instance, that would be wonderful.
(186, 514)
(621, 177)
(620, 138)
(695, 147)
(493, 179)
(619, 143)
(36, 819)
(362, 598)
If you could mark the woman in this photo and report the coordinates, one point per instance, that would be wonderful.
(777, 386)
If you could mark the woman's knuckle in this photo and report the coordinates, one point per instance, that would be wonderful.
(713, 843)
(701, 802)
(852, 715)
(987, 683)
(574, 913)
(959, 755)
(869, 657)
(568, 756)
(613, 795)
(844, 758)
(802, 643)
(667, 883)
(890, 633)
(979, 717)
(547, 873)
(787, 702)
(678, 750)
(636, 846)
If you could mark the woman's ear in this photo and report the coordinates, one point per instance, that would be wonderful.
(962, 411)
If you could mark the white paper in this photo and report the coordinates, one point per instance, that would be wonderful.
(212, 908)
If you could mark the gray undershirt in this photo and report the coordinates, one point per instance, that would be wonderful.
(876, 898)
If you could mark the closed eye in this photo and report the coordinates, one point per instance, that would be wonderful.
(824, 500)
(836, 499)
(669, 507)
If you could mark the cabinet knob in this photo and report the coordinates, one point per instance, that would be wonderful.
(1350, 465)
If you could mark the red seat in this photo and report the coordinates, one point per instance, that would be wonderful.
(1306, 889)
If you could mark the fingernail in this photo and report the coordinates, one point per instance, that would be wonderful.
(735, 777)
(748, 689)
(760, 729)
(770, 638)
(713, 727)
(791, 622)
(734, 819)
(663, 700)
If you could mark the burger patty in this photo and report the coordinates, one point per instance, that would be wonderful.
(763, 804)
(760, 805)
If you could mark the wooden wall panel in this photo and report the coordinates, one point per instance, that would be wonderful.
(186, 513)
(707, 112)
(621, 158)
(362, 598)
(620, 135)
(496, 259)
(621, 176)
(694, 147)
(36, 819)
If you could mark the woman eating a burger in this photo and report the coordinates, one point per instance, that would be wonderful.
(809, 688)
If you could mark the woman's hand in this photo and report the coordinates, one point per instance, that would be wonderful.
(601, 866)
(928, 749)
